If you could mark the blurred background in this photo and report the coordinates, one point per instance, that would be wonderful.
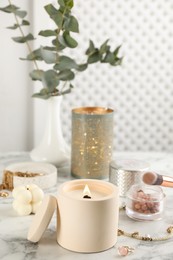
(140, 91)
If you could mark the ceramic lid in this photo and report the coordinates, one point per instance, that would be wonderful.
(42, 218)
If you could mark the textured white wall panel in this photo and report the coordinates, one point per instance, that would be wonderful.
(141, 90)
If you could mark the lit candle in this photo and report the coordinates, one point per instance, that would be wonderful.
(87, 215)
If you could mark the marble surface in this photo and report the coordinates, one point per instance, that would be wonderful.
(13, 228)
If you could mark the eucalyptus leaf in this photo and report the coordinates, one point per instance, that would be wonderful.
(69, 3)
(50, 48)
(71, 42)
(9, 8)
(91, 49)
(21, 14)
(109, 58)
(71, 86)
(58, 44)
(117, 61)
(44, 91)
(14, 9)
(61, 3)
(65, 75)
(15, 26)
(48, 56)
(61, 41)
(104, 47)
(25, 22)
(94, 57)
(41, 95)
(34, 55)
(82, 67)
(36, 74)
(64, 63)
(24, 39)
(71, 24)
(54, 14)
(58, 19)
(50, 9)
(50, 80)
(116, 51)
(47, 33)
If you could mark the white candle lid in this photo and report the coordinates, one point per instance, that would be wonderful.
(42, 218)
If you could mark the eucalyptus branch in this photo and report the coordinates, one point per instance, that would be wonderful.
(63, 67)
(58, 33)
(23, 35)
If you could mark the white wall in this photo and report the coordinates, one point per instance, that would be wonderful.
(15, 87)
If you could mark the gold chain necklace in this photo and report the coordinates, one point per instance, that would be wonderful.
(136, 235)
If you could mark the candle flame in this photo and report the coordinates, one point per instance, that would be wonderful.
(86, 192)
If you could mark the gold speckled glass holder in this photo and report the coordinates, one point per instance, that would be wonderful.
(92, 140)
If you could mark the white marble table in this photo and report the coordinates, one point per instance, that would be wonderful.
(13, 229)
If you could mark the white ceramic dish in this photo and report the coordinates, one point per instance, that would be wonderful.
(46, 179)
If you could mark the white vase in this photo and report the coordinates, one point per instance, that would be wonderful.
(53, 148)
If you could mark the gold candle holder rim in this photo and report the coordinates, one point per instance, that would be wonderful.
(92, 110)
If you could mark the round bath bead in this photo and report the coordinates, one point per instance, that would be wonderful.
(35, 206)
(24, 209)
(16, 204)
(37, 194)
(16, 190)
(24, 196)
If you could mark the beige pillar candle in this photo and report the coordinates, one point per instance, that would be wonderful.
(87, 215)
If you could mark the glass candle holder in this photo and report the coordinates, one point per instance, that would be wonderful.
(145, 202)
(92, 140)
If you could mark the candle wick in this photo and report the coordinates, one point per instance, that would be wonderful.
(86, 197)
